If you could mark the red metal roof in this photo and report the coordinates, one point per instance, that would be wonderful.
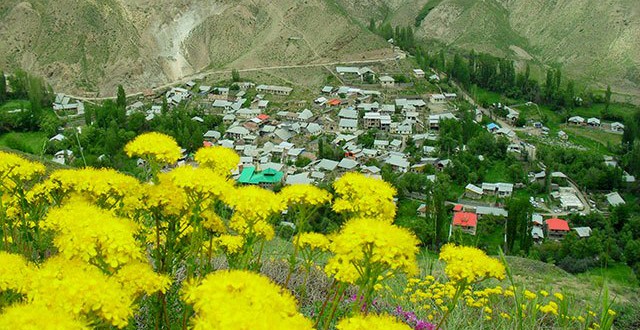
(334, 102)
(465, 219)
(263, 116)
(557, 224)
(457, 208)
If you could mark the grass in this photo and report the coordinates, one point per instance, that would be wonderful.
(29, 142)
(497, 173)
(618, 274)
(597, 136)
(14, 104)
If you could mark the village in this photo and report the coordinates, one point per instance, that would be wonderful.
(370, 121)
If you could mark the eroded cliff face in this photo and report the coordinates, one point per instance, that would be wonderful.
(86, 46)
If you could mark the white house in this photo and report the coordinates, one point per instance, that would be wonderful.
(348, 125)
(576, 120)
(277, 90)
(595, 122)
(418, 73)
(617, 127)
(387, 81)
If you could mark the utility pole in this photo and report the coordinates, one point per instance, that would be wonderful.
(80, 147)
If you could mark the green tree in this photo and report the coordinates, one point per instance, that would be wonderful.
(372, 25)
(607, 98)
(121, 98)
(3, 87)
(235, 75)
(518, 227)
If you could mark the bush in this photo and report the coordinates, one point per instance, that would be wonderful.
(575, 266)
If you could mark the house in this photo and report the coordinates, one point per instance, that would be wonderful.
(562, 135)
(512, 115)
(277, 90)
(537, 234)
(381, 144)
(305, 115)
(482, 211)
(327, 165)
(473, 191)
(376, 120)
(387, 109)
(301, 178)
(614, 199)
(465, 221)
(314, 129)
(211, 136)
(576, 120)
(434, 78)
(348, 125)
(403, 128)
(263, 104)
(418, 73)
(450, 96)
(556, 228)
(595, 122)
(500, 189)
(354, 71)
(617, 127)
(398, 163)
(347, 164)
(387, 81)
(348, 113)
(437, 98)
(237, 133)
(222, 104)
(422, 210)
(583, 232)
(63, 156)
(327, 89)
(493, 127)
(265, 179)
(57, 138)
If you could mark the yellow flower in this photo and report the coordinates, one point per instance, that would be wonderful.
(79, 288)
(544, 293)
(361, 196)
(312, 241)
(199, 183)
(230, 244)
(365, 242)
(529, 295)
(304, 194)
(15, 272)
(611, 312)
(157, 147)
(505, 316)
(559, 296)
(15, 170)
(86, 232)
(371, 322)
(470, 264)
(137, 278)
(242, 300)
(36, 316)
(220, 159)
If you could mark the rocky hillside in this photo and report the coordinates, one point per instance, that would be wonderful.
(595, 41)
(90, 46)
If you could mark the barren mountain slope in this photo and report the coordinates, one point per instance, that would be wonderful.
(90, 45)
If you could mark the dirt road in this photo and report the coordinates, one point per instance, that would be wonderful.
(203, 74)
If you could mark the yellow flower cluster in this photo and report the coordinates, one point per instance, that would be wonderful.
(73, 287)
(199, 183)
(312, 241)
(470, 264)
(154, 146)
(106, 187)
(164, 198)
(41, 317)
(86, 232)
(230, 244)
(361, 196)
(220, 159)
(137, 278)
(15, 170)
(14, 272)
(253, 207)
(242, 300)
(363, 242)
(304, 194)
(371, 322)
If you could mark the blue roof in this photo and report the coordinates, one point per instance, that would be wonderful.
(492, 126)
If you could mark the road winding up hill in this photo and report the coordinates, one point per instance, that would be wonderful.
(90, 46)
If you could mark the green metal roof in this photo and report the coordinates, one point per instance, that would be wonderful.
(249, 176)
